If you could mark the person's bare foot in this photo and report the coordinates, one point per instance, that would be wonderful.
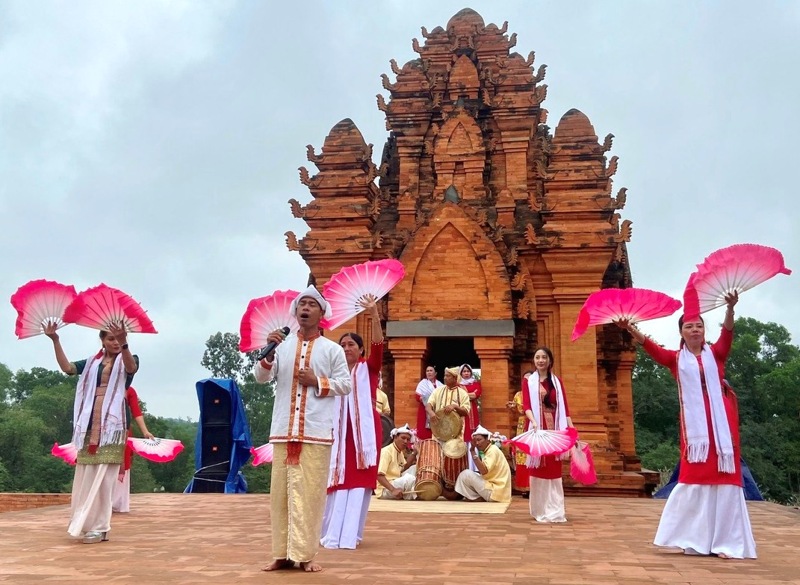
(311, 567)
(279, 564)
(723, 556)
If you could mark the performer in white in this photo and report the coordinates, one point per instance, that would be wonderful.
(492, 482)
(309, 370)
(396, 472)
(422, 394)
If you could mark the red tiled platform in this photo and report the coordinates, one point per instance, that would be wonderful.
(213, 538)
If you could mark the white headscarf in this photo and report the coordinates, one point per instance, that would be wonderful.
(481, 430)
(404, 429)
(471, 378)
(312, 292)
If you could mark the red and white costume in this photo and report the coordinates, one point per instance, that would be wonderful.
(354, 458)
(121, 500)
(423, 392)
(471, 385)
(706, 512)
(546, 499)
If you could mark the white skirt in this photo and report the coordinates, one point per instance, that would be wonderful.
(706, 519)
(345, 517)
(91, 498)
(121, 502)
(546, 500)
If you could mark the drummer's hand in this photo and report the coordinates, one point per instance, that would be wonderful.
(397, 493)
(411, 458)
(434, 418)
(449, 408)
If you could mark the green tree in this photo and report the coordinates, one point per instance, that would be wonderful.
(24, 382)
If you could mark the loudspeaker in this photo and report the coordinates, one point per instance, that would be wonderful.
(216, 448)
(216, 407)
(207, 482)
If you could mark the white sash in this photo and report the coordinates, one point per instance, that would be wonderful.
(560, 419)
(113, 430)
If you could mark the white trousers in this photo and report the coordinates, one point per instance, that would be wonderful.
(705, 519)
(546, 500)
(472, 486)
(406, 482)
(92, 488)
(121, 500)
(345, 517)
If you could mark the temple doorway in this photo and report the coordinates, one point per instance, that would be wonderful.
(447, 352)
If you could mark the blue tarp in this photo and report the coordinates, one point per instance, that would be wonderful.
(751, 491)
(240, 430)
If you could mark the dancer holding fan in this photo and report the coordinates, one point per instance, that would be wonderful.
(99, 431)
(545, 405)
(357, 435)
(706, 512)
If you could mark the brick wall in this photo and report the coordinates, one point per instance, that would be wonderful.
(17, 502)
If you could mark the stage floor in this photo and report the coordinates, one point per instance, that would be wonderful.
(224, 539)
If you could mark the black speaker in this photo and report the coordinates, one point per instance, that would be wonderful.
(215, 451)
(216, 407)
(209, 482)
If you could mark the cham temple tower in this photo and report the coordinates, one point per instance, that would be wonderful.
(504, 228)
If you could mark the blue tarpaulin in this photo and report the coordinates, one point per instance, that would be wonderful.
(751, 491)
(240, 430)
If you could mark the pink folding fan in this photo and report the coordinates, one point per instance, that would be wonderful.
(68, 452)
(345, 290)
(38, 303)
(263, 316)
(102, 306)
(158, 450)
(541, 442)
(634, 304)
(581, 465)
(736, 268)
(262, 454)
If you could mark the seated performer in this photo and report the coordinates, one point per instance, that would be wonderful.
(492, 482)
(396, 472)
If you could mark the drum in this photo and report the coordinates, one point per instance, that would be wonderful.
(452, 467)
(429, 470)
(448, 426)
(387, 426)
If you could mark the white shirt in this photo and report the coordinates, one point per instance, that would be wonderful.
(303, 413)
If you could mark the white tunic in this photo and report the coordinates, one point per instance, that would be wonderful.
(305, 413)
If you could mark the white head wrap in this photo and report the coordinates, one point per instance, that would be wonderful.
(404, 429)
(312, 292)
(481, 430)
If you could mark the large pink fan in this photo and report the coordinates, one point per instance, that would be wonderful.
(633, 304)
(263, 316)
(158, 450)
(351, 284)
(262, 454)
(68, 452)
(736, 268)
(581, 465)
(102, 306)
(38, 303)
(542, 442)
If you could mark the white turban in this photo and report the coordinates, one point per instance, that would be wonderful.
(312, 292)
(399, 430)
(481, 430)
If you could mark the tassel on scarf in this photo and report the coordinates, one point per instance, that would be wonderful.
(293, 449)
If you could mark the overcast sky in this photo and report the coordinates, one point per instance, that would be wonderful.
(153, 145)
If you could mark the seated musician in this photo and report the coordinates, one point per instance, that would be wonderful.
(396, 472)
(492, 482)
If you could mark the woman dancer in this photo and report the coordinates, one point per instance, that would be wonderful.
(99, 429)
(545, 405)
(424, 390)
(121, 502)
(357, 441)
(474, 391)
(706, 512)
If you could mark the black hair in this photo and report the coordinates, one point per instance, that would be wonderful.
(355, 337)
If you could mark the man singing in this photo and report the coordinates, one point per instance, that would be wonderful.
(308, 370)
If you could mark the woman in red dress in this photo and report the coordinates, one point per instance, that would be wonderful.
(474, 391)
(706, 513)
(545, 405)
(423, 392)
(357, 441)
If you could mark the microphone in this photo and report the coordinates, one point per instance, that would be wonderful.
(270, 346)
